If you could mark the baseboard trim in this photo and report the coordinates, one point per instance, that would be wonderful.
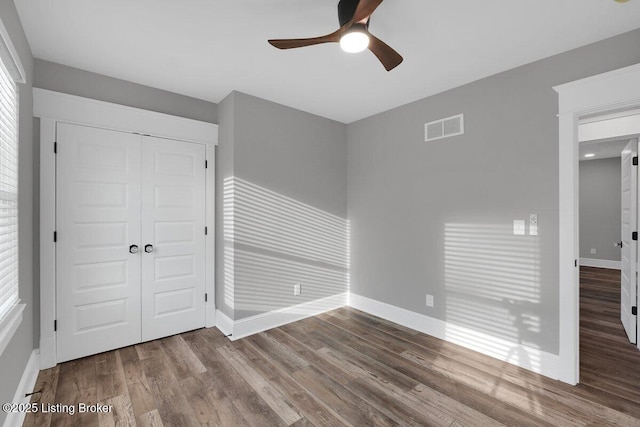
(520, 355)
(600, 263)
(26, 385)
(263, 322)
(224, 323)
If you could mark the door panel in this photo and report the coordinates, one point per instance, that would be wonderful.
(629, 262)
(173, 221)
(98, 218)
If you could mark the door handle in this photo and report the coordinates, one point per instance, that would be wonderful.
(618, 244)
(148, 248)
(133, 249)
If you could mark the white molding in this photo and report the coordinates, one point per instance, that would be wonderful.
(54, 107)
(600, 263)
(265, 321)
(9, 325)
(224, 323)
(210, 238)
(18, 74)
(75, 109)
(47, 246)
(26, 385)
(602, 93)
(530, 358)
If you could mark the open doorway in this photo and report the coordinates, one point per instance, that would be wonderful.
(608, 215)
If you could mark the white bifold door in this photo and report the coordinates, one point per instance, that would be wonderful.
(130, 251)
(629, 226)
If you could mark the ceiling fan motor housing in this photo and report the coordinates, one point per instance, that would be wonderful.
(346, 10)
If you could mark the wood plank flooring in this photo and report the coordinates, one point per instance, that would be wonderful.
(348, 368)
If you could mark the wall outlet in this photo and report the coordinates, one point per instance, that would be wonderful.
(429, 300)
(593, 250)
(296, 289)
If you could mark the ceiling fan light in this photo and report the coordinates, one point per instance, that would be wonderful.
(354, 41)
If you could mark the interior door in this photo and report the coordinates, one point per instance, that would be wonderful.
(173, 236)
(98, 219)
(628, 282)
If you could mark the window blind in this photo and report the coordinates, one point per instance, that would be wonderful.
(8, 192)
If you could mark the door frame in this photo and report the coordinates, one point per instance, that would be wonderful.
(53, 107)
(608, 92)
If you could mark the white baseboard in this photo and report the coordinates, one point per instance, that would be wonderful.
(224, 323)
(27, 382)
(526, 357)
(600, 263)
(262, 322)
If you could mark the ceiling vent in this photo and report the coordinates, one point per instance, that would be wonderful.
(444, 128)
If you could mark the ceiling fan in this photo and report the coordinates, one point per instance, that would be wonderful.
(353, 34)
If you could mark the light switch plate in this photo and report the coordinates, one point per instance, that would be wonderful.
(533, 224)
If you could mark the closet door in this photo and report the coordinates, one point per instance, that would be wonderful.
(173, 237)
(98, 219)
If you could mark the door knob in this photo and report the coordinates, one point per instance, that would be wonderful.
(618, 244)
(148, 248)
(133, 249)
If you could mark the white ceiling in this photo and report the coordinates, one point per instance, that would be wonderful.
(602, 149)
(207, 48)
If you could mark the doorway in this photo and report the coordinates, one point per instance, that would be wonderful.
(610, 92)
(608, 210)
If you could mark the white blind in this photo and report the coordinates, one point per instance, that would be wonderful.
(8, 192)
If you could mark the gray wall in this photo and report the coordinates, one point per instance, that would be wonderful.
(224, 170)
(60, 78)
(289, 170)
(14, 358)
(437, 217)
(600, 185)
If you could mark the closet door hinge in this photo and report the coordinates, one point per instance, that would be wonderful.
(634, 235)
(634, 310)
(55, 326)
(206, 231)
(55, 236)
(206, 297)
(206, 164)
(55, 147)
(635, 161)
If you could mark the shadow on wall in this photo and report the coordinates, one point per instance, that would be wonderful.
(493, 298)
(273, 242)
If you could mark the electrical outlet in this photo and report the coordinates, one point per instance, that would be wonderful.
(593, 251)
(296, 289)
(429, 300)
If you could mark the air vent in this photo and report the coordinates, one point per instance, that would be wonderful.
(444, 128)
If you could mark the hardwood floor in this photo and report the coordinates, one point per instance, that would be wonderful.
(348, 368)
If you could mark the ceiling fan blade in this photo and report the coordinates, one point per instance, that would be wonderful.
(365, 9)
(294, 43)
(390, 58)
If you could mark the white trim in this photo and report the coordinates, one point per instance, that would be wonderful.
(47, 246)
(26, 385)
(106, 115)
(265, 321)
(54, 107)
(210, 238)
(9, 325)
(600, 263)
(224, 323)
(18, 74)
(603, 93)
(526, 357)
